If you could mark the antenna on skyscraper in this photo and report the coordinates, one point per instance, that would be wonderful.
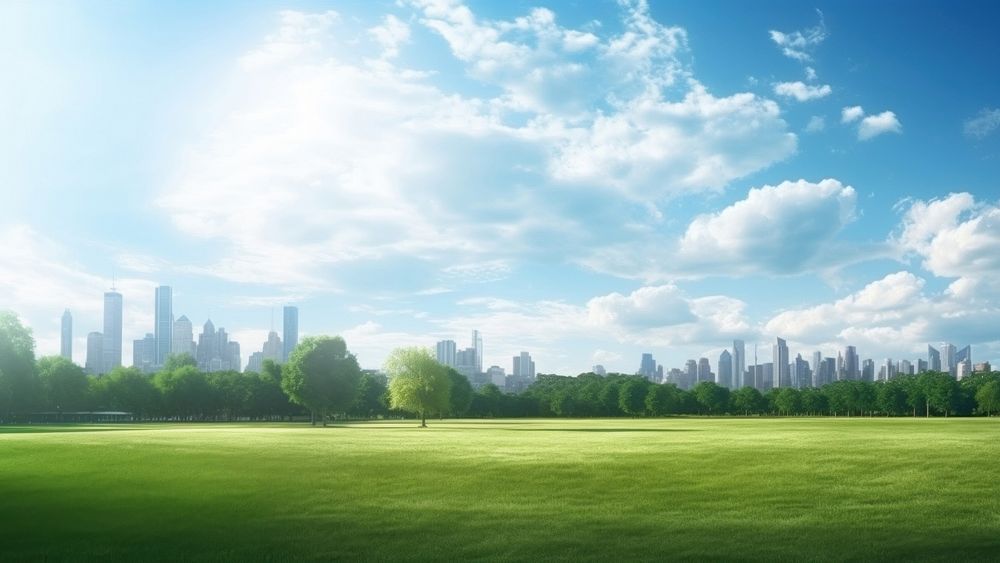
(113, 280)
(272, 319)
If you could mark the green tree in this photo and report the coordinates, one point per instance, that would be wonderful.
(460, 396)
(185, 392)
(417, 382)
(711, 398)
(130, 390)
(988, 398)
(322, 376)
(177, 361)
(564, 403)
(19, 385)
(813, 401)
(663, 399)
(371, 400)
(632, 396)
(748, 400)
(941, 391)
(788, 401)
(230, 393)
(487, 401)
(891, 397)
(64, 384)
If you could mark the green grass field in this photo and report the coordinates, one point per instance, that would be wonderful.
(748, 489)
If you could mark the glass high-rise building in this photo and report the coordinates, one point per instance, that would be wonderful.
(852, 366)
(290, 331)
(782, 375)
(163, 330)
(183, 337)
(739, 363)
(66, 336)
(933, 358)
(112, 335)
(477, 345)
(725, 375)
(95, 353)
(446, 351)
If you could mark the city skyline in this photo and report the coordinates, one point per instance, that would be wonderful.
(669, 181)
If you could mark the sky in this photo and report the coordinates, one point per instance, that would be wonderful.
(582, 180)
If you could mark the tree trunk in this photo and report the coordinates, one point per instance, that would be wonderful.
(312, 417)
(927, 405)
(423, 420)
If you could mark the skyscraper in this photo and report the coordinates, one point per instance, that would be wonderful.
(782, 376)
(725, 375)
(933, 358)
(112, 335)
(273, 349)
(852, 366)
(66, 336)
(163, 331)
(95, 353)
(477, 345)
(524, 366)
(963, 358)
(705, 370)
(817, 363)
(801, 376)
(948, 358)
(739, 362)
(445, 352)
(144, 353)
(290, 331)
(690, 374)
(647, 366)
(183, 337)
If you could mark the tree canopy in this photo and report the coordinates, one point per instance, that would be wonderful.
(418, 383)
(322, 376)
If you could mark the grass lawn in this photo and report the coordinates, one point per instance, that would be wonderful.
(748, 489)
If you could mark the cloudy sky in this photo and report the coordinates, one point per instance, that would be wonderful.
(586, 181)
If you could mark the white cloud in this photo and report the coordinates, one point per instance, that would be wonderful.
(983, 124)
(646, 307)
(799, 45)
(801, 91)
(954, 236)
(875, 125)
(391, 35)
(816, 124)
(322, 163)
(810, 73)
(851, 114)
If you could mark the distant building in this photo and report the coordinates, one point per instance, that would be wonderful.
(868, 370)
(801, 373)
(599, 370)
(782, 375)
(477, 346)
(215, 352)
(497, 376)
(95, 353)
(647, 366)
(828, 372)
(273, 349)
(256, 362)
(948, 358)
(964, 358)
(524, 366)
(66, 336)
(767, 376)
(691, 374)
(933, 358)
(112, 335)
(465, 363)
(852, 365)
(705, 371)
(182, 341)
(921, 366)
(163, 328)
(290, 332)
(144, 353)
(235, 361)
(677, 377)
(739, 363)
(905, 368)
(983, 367)
(446, 351)
(725, 374)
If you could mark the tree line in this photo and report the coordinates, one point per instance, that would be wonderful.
(322, 379)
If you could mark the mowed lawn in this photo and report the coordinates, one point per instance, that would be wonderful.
(748, 489)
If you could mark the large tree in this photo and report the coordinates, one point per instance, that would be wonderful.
(632, 396)
(460, 396)
(322, 376)
(130, 390)
(988, 398)
(748, 400)
(711, 397)
(19, 386)
(417, 382)
(64, 384)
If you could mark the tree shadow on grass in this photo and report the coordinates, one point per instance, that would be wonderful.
(59, 428)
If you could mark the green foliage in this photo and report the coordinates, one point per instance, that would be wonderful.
(184, 392)
(748, 400)
(632, 396)
(417, 382)
(130, 390)
(372, 396)
(460, 395)
(988, 397)
(64, 384)
(322, 376)
(177, 361)
(714, 399)
(662, 400)
(788, 401)
(19, 385)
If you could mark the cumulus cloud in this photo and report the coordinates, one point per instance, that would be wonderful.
(816, 124)
(983, 124)
(955, 236)
(646, 307)
(322, 163)
(851, 114)
(875, 125)
(799, 45)
(801, 91)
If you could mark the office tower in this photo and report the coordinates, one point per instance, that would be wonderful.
(144, 353)
(183, 337)
(206, 345)
(273, 349)
(497, 376)
(933, 358)
(446, 353)
(647, 367)
(868, 370)
(739, 363)
(215, 351)
(801, 374)
(905, 368)
(524, 366)
(767, 376)
(66, 336)
(95, 353)
(235, 361)
(983, 367)
(465, 362)
(691, 374)
(659, 373)
(817, 362)
(948, 358)
(477, 345)
(964, 357)
(705, 370)
(599, 370)
(256, 362)
(829, 369)
(164, 324)
(962, 370)
(290, 331)
(725, 375)
(111, 342)
(921, 366)
(852, 366)
(840, 366)
(780, 361)
(887, 371)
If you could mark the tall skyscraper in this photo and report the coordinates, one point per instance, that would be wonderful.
(963, 358)
(465, 362)
(273, 348)
(95, 353)
(524, 366)
(163, 330)
(66, 336)
(446, 353)
(782, 375)
(647, 366)
(739, 363)
(705, 370)
(817, 363)
(477, 345)
(112, 335)
(801, 375)
(852, 365)
(948, 358)
(725, 375)
(290, 331)
(933, 358)
(921, 366)
(183, 337)
(690, 374)
(144, 353)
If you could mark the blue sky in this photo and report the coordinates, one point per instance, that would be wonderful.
(582, 180)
